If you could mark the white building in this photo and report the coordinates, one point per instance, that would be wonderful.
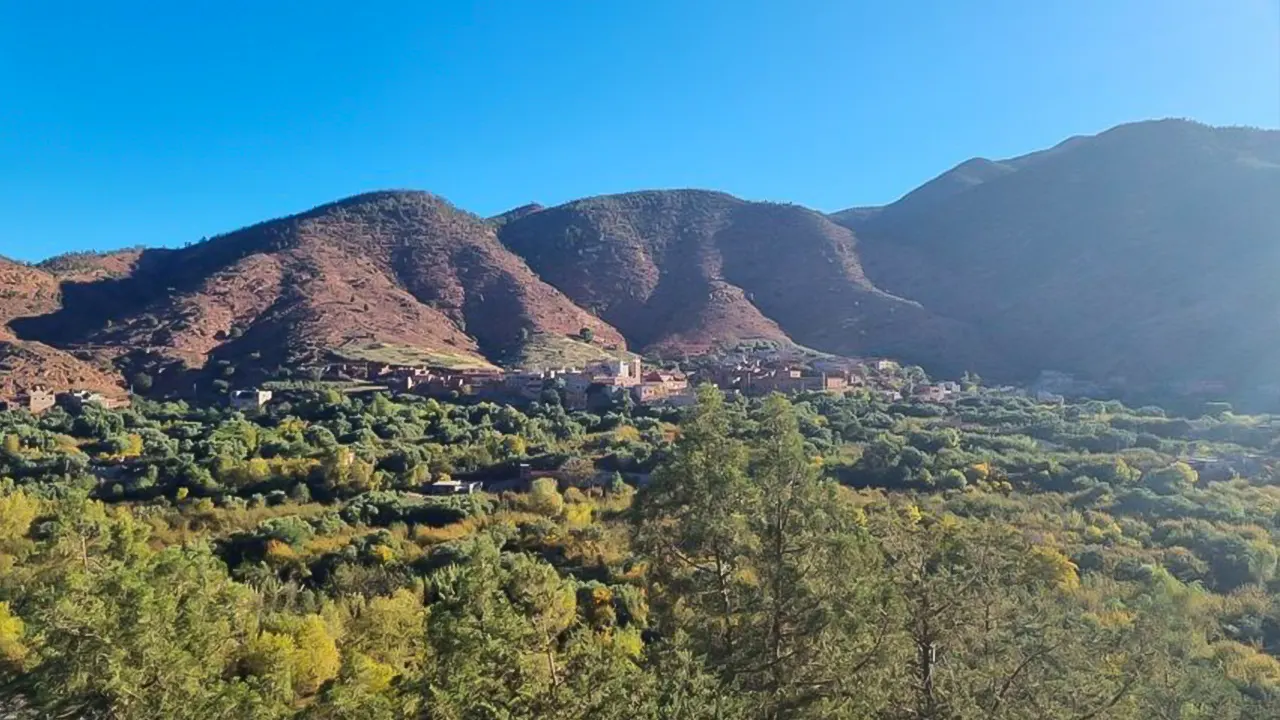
(251, 399)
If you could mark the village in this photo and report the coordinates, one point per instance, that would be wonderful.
(605, 383)
(600, 384)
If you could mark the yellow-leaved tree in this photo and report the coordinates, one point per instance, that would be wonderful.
(13, 653)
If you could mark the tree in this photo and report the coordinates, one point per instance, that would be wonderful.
(546, 601)
(344, 472)
(578, 471)
(587, 334)
(769, 573)
(132, 446)
(953, 479)
(545, 499)
(13, 652)
(126, 632)
(389, 630)
(691, 522)
(814, 621)
(17, 511)
(514, 446)
(1176, 478)
(487, 659)
(994, 628)
(316, 659)
(141, 382)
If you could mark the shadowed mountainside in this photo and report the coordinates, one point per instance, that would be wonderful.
(1147, 252)
(688, 270)
(28, 291)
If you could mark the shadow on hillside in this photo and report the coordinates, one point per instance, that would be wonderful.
(91, 306)
(88, 306)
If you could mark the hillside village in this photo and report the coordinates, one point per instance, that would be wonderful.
(606, 382)
(602, 383)
(603, 386)
(39, 398)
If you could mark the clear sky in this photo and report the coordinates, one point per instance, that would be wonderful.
(127, 123)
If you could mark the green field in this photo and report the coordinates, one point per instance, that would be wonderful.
(407, 355)
(547, 350)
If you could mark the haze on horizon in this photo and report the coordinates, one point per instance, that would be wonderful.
(126, 127)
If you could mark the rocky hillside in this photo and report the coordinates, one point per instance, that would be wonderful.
(1148, 252)
(392, 275)
(684, 271)
(28, 291)
(84, 266)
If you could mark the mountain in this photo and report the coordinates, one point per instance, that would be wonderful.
(1147, 252)
(685, 271)
(383, 276)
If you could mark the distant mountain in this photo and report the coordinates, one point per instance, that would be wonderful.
(684, 271)
(1148, 252)
(25, 290)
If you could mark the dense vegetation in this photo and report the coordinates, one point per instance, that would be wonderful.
(820, 557)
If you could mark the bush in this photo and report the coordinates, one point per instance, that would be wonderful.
(544, 498)
(300, 493)
(291, 530)
(383, 508)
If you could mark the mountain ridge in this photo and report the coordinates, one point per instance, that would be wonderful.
(1091, 257)
(1088, 257)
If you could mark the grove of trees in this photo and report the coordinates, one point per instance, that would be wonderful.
(809, 557)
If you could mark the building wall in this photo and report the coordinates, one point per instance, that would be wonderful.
(38, 401)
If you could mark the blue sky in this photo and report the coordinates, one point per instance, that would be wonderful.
(131, 123)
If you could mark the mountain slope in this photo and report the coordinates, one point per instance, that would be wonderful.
(689, 270)
(1147, 252)
(383, 272)
(92, 265)
(27, 291)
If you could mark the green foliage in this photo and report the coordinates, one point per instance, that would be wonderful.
(827, 557)
(141, 382)
(545, 498)
(1176, 478)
